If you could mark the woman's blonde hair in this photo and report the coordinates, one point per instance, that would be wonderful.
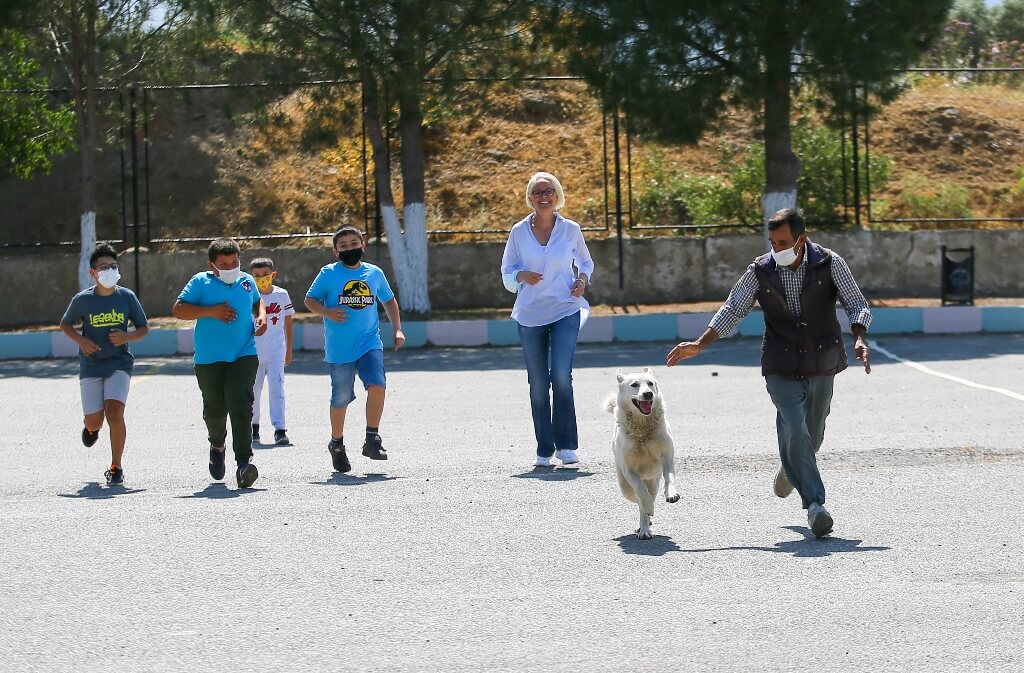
(537, 177)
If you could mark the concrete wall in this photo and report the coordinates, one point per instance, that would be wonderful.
(39, 283)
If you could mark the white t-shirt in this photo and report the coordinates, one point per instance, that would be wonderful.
(550, 299)
(272, 343)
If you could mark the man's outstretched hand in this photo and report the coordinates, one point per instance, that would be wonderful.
(683, 351)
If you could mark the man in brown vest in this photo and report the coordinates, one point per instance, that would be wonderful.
(797, 286)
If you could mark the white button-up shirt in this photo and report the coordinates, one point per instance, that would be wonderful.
(550, 299)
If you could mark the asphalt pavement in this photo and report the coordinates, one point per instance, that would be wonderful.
(456, 555)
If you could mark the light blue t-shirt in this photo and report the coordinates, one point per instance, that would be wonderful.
(359, 291)
(216, 340)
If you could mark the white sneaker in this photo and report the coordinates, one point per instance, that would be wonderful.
(819, 520)
(567, 456)
(542, 461)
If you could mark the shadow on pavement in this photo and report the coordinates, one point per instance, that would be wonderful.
(554, 474)
(659, 545)
(339, 479)
(93, 490)
(263, 446)
(218, 491)
(807, 547)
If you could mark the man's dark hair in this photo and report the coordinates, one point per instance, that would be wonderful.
(222, 247)
(102, 250)
(347, 230)
(794, 217)
(261, 263)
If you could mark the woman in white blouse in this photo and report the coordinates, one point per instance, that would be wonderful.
(547, 264)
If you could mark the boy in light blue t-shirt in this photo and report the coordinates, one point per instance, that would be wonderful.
(223, 301)
(347, 293)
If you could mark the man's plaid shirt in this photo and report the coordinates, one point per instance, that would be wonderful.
(743, 295)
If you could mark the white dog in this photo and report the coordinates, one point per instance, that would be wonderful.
(642, 444)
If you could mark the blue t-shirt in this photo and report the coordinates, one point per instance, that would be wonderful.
(216, 340)
(359, 291)
(100, 315)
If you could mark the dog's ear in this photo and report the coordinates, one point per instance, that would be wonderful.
(619, 376)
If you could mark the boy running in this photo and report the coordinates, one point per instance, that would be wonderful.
(105, 362)
(346, 293)
(221, 301)
(274, 349)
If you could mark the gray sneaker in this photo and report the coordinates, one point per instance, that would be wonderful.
(819, 520)
(782, 487)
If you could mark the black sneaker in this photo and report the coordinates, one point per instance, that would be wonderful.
(246, 474)
(281, 437)
(255, 433)
(338, 458)
(115, 476)
(373, 450)
(217, 462)
(89, 437)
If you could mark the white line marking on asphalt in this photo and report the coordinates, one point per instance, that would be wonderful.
(955, 379)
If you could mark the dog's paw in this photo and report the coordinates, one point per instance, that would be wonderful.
(644, 534)
(672, 497)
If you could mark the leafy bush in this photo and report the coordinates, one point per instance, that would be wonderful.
(668, 196)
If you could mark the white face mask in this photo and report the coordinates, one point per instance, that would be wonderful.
(229, 276)
(108, 277)
(786, 257)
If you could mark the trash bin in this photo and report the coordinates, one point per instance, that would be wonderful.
(958, 276)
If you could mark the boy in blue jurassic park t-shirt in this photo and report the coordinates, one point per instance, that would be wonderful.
(223, 301)
(347, 294)
(105, 362)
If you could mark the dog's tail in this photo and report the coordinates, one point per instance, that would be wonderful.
(610, 404)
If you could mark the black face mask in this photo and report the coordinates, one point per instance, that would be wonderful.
(350, 257)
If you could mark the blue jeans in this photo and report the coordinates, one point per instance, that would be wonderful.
(548, 351)
(802, 406)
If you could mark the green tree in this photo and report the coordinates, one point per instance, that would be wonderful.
(92, 44)
(1008, 21)
(675, 66)
(32, 130)
(976, 19)
(391, 47)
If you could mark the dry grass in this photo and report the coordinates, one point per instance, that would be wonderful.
(944, 135)
(221, 164)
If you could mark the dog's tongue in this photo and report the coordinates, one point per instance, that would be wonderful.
(645, 406)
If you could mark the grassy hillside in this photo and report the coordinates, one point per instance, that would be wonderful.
(244, 162)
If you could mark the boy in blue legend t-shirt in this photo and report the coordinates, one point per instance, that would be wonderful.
(347, 293)
(105, 362)
(222, 301)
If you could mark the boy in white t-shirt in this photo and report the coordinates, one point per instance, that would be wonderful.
(274, 349)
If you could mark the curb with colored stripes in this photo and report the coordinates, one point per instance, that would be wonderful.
(309, 336)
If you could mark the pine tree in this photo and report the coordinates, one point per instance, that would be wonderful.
(674, 67)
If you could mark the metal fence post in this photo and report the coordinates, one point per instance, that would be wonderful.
(856, 155)
(145, 154)
(618, 195)
(133, 127)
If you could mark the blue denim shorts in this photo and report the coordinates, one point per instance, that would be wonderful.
(370, 367)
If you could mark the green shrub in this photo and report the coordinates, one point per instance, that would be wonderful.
(668, 196)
